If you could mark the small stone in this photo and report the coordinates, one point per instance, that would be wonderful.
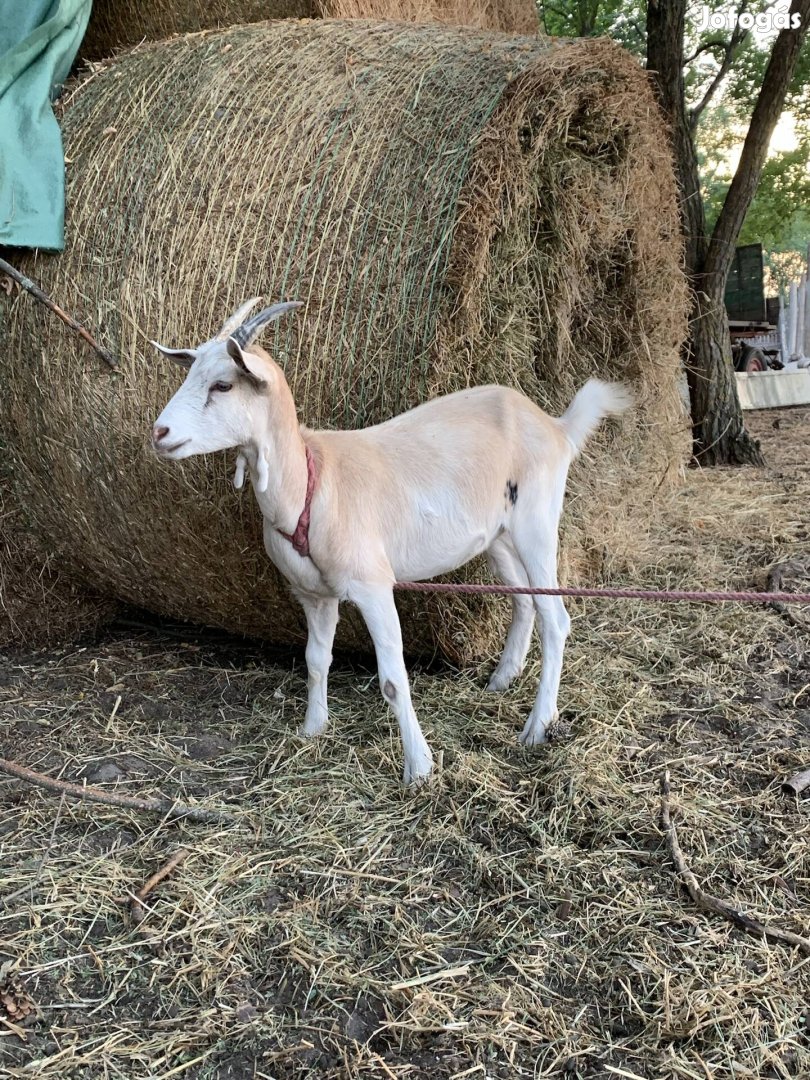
(104, 772)
(246, 1013)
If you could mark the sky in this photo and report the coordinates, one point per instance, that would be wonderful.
(783, 138)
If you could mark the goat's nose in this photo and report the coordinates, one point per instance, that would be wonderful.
(159, 433)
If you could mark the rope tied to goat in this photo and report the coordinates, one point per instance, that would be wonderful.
(694, 596)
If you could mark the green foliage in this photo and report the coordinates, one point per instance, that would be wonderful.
(788, 263)
(779, 216)
(745, 79)
(624, 20)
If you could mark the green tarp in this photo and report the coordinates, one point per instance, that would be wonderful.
(39, 40)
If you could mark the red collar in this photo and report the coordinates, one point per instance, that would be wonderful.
(300, 538)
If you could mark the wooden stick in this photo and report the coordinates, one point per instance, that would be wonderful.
(796, 784)
(137, 911)
(108, 798)
(38, 294)
(713, 903)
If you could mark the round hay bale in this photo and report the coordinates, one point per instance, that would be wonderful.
(455, 208)
(507, 16)
(115, 24)
(39, 606)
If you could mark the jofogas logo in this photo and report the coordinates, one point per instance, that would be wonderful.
(762, 22)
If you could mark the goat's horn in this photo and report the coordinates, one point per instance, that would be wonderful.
(248, 331)
(237, 319)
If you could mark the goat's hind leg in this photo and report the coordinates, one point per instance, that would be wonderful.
(322, 618)
(506, 566)
(536, 546)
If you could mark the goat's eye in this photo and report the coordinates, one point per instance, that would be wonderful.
(222, 387)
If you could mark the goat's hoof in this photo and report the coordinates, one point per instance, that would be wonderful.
(501, 681)
(534, 733)
(418, 769)
(310, 729)
(532, 738)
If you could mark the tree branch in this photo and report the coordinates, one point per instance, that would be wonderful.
(137, 908)
(714, 904)
(554, 10)
(167, 807)
(778, 76)
(737, 38)
(719, 43)
(34, 289)
(796, 784)
(640, 33)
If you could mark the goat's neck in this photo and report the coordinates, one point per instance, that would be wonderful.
(277, 453)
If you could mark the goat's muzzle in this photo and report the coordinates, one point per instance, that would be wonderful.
(160, 444)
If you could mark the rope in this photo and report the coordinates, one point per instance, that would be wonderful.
(676, 595)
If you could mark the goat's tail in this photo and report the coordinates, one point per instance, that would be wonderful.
(594, 401)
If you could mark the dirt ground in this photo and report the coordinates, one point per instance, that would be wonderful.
(518, 917)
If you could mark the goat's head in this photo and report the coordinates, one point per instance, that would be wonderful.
(214, 409)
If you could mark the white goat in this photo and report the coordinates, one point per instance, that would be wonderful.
(348, 513)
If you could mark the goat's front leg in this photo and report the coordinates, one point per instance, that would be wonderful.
(322, 618)
(376, 604)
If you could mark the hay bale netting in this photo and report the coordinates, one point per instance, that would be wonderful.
(455, 208)
(118, 23)
(39, 605)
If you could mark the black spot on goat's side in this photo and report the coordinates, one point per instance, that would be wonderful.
(511, 491)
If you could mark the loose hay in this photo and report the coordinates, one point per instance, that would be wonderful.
(455, 208)
(117, 23)
(519, 919)
(114, 24)
(509, 16)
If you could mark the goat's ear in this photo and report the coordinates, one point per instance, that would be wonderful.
(238, 357)
(184, 357)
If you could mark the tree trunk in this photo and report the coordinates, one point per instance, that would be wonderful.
(718, 432)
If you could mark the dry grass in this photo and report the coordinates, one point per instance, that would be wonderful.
(455, 207)
(509, 16)
(117, 23)
(517, 918)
